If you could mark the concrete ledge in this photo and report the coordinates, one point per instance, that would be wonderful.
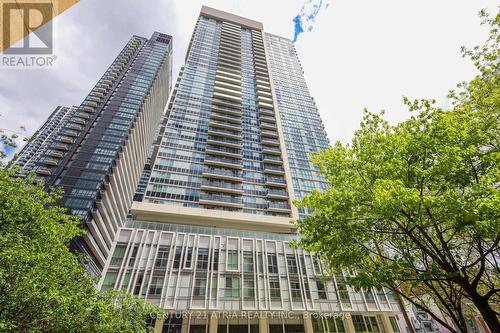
(153, 212)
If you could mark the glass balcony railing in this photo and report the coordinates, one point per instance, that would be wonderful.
(227, 124)
(274, 168)
(227, 160)
(221, 198)
(270, 141)
(268, 132)
(222, 172)
(225, 116)
(216, 130)
(277, 192)
(279, 205)
(278, 180)
(273, 158)
(219, 184)
(224, 140)
(224, 150)
(270, 148)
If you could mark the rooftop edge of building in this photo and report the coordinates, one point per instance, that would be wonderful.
(219, 14)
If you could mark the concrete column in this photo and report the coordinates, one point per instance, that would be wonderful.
(212, 326)
(349, 326)
(185, 325)
(263, 325)
(386, 323)
(308, 326)
(159, 324)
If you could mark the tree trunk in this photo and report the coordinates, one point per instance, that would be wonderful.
(482, 305)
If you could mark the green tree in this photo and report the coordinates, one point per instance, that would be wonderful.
(415, 207)
(43, 286)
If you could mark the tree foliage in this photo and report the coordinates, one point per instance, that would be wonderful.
(43, 286)
(415, 207)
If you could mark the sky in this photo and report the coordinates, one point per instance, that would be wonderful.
(355, 53)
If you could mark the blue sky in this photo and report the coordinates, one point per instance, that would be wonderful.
(355, 53)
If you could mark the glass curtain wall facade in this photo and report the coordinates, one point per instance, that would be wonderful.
(209, 238)
(303, 129)
(44, 137)
(97, 150)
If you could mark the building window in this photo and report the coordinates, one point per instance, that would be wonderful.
(292, 264)
(247, 262)
(359, 324)
(317, 269)
(177, 257)
(272, 263)
(200, 285)
(162, 257)
(248, 289)
(156, 286)
(369, 297)
(133, 256)
(109, 281)
(232, 287)
(295, 290)
(308, 290)
(260, 263)
(232, 260)
(202, 259)
(317, 325)
(321, 289)
(118, 255)
(215, 261)
(394, 324)
(189, 257)
(372, 324)
(274, 288)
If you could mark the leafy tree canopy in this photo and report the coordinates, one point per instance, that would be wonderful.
(43, 286)
(415, 207)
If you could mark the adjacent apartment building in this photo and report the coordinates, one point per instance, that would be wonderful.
(208, 236)
(96, 151)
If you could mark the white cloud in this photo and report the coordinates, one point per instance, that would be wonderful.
(360, 53)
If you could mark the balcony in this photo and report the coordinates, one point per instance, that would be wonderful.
(271, 150)
(43, 172)
(80, 121)
(270, 141)
(49, 161)
(235, 135)
(223, 162)
(279, 207)
(226, 142)
(224, 124)
(70, 133)
(55, 154)
(225, 102)
(222, 151)
(221, 186)
(228, 91)
(267, 118)
(275, 181)
(227, 85)
(66, 139)
(274, 169)
(277, 194)
(226, 117)
(60, 146)
(228, 110)
(271, 134)
(265, 105)
(219, 173)
(220, 200)
(272, 159)
(267, 125)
